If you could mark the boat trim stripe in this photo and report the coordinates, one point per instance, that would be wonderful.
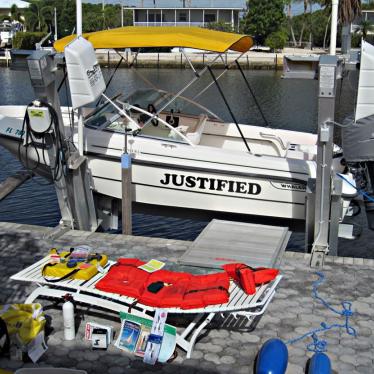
(200, 169)
(189, 159)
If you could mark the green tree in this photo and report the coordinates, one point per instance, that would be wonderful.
(276, 40)
(289, 18)
(364, 28)
(34, 19)
(349, 10)
(92, 21)
(15, 13)
(263, 18)
(67, 18)
(112, 16)
(368, 6)
(220, 26)
(40, 16)
(127, 18)
(304, 19)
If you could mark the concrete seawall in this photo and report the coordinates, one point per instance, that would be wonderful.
(268, 61)
(249, 60)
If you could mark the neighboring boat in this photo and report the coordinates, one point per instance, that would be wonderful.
(185, 156)
(7, 31)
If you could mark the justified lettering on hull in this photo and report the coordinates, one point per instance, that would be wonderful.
(211, 184)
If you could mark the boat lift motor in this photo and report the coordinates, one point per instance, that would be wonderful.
(358, 133)
(69, 170)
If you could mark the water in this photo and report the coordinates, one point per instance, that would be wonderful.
(289, 104)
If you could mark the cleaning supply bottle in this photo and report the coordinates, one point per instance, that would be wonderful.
(68, 316)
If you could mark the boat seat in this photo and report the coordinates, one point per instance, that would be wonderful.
(195, 136)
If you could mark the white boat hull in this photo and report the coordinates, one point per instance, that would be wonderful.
(172, 174)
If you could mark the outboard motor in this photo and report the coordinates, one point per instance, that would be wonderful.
(358, 146)
(358, 133)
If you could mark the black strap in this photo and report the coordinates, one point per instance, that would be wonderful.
(4, 349)
(208, 289)
(55, 280)
(132, 306)
(95, 256)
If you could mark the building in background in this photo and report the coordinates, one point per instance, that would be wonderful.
(366, 15)
(5, 6)
(183, 12)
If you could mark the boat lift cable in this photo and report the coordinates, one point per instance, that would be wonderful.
(229, 108)
(62, 81)
(252, 93)
(71, 118)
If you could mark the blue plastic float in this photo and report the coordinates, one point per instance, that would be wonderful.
(272, 358)
(319, 364)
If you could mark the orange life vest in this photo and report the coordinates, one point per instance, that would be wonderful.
(181, 290)
(248, 278)
(168, 289)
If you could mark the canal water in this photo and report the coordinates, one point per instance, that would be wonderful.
(288, 104)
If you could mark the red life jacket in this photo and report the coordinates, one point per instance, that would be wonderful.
(248, 278)
(181, 290)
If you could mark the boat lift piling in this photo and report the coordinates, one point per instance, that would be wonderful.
(73, 182)
(126, 168)
(324, 204)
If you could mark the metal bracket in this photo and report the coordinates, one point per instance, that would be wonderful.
(75, 161)
(318, 256)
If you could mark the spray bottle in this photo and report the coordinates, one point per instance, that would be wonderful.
(68, 316)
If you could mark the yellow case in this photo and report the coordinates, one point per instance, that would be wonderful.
(60, 269)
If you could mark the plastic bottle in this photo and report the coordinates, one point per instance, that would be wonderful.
(68, 316)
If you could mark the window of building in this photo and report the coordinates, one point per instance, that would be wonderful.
(156, 17)
(209, 17)
(182, 17)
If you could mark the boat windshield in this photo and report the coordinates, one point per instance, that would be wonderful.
(108, 118)
(159, 98)
(104, 116)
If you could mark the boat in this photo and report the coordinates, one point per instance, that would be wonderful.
(183, 155)
(7, 31)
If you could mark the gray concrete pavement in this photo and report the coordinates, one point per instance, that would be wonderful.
(291, 313)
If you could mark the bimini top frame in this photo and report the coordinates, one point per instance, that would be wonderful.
(191, 37)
